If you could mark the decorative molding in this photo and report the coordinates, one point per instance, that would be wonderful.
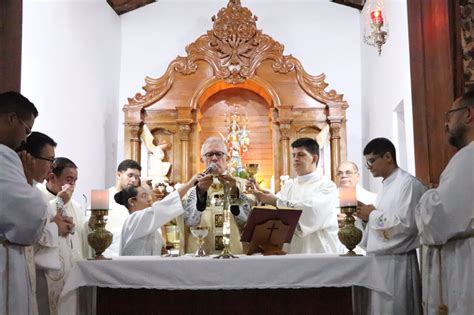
(234, 49)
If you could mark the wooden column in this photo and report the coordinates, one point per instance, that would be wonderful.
(336, 120)
(11, 13)
(184, 134)
(132, 135)
(436, 80)
(285, 127)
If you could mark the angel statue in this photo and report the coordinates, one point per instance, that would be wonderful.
(157, 168)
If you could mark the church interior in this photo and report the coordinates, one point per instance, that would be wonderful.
(150, 80)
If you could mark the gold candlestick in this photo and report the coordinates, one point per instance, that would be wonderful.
(226, 253)
(349, 235)
(99, 239)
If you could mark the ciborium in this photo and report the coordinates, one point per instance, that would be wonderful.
(349, 235)
(173, 237)
(99, 239)
(200, 233)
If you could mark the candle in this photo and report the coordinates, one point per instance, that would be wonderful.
(376, 16)
(347, 196)
(99, 199)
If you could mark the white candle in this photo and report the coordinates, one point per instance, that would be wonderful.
(99, 199)
(347, 196)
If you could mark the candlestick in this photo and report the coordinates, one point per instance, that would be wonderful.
(99, 199)
(347, 196)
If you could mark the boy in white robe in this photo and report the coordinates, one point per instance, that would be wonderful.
(390, 232)
(315, 195)
(141, 230)
(23, 214)
(445, 219)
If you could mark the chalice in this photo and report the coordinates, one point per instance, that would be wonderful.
(252, 169)
(173, 236)
(200, 233)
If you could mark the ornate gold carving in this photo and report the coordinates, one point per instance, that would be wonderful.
(234, 48)
(285, 131)
(184, 131)
(134, 132)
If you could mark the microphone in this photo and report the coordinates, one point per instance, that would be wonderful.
(210, 169)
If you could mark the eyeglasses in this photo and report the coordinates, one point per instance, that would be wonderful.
(447, 114)
(218, 154)
(370, 162)
(28, 130)
(50, 160)
(347, 173)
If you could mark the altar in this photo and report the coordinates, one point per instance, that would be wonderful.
(251, 283)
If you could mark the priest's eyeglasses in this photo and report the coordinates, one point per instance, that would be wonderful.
(218, 154)
(447, 114)
(370, 162)
(28, 130)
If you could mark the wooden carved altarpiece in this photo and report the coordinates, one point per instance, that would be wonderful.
(236, 63)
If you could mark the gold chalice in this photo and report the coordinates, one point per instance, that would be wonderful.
(200, 233)
(251, 169)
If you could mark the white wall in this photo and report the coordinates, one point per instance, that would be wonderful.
(324, 36)
(70, 71)
(386, 83)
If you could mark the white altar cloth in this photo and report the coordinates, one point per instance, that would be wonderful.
(247, 272)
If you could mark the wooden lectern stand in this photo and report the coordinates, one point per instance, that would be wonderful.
(268, 228)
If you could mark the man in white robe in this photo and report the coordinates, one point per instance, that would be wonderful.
(41, 148)
(316, 195)
(128, 175)
(390, 232)
(58, 191)
(445, 219)
(23, 214)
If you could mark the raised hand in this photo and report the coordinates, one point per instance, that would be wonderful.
(66, 192)
(28, 165)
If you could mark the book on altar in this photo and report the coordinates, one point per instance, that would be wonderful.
(268, 228)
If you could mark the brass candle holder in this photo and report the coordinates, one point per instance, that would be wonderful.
(226, 253)
(99, 239)
(349, 235)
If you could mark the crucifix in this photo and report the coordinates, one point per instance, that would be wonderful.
(273, 228)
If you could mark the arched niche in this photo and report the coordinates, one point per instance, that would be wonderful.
(235, 56)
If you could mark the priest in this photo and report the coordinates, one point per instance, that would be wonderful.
(316, 195)
(23, 213)
(445, 219)
(204, 202)
(390, 233)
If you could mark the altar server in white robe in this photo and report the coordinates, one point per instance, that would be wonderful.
(445, 219)
(58, 191)
(23, 213)
(390, 232)
(316, 195)
(128, 175)
(141, 233)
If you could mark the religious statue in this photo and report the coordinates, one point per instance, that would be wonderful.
(157, 168)
(237, 142)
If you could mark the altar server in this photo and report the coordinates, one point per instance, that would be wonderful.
(128, 175)
(445, 219)
(316, 195)
(390, 232)
(141, 230)
(23, 213)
